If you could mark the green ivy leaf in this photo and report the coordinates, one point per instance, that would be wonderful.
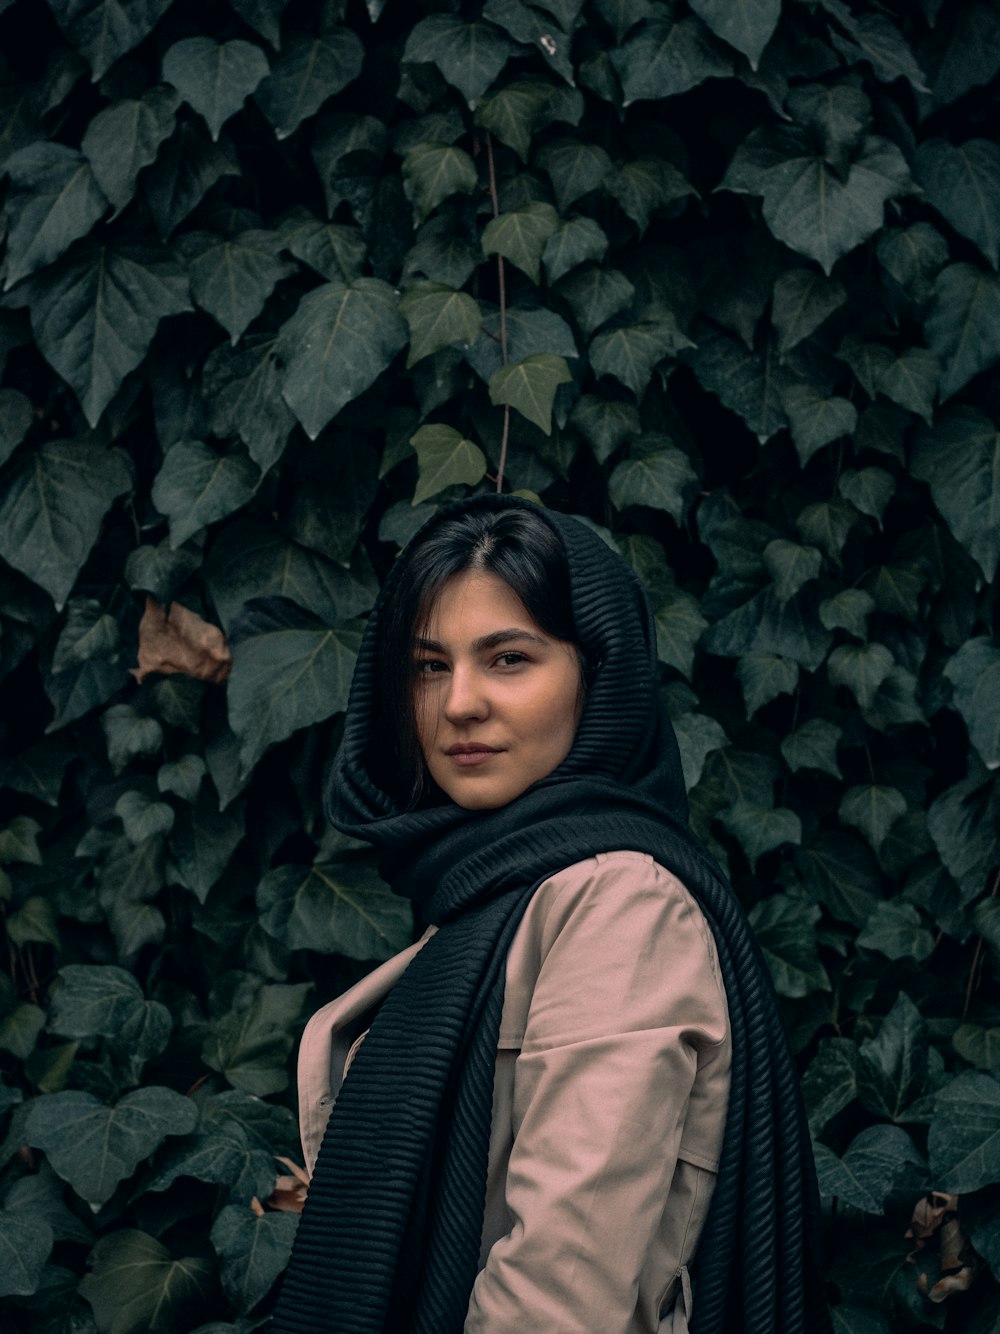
(839, 115)
(867, 1172)
(765, 676)
(333, 249)
(243, 389)
(438, 316)
(840, 872)
(445, 458)
(90, 632)
(103, 30)
(186, 168)
(679, 626)
(105, 1001)
(911, 380)
(525, 24)
(94, 314)
(803, 300)
(959, 458)
(861, 668)
(747, 25)
(215, 78)
(974, 671)
(868, 489)
(16, 416)
(641, 187)
(529, 330)
(53, 200)
(310, 69)
(143, 818)
(264, 16)
(816, 419)
(664, 58)
(335, 346)
(748, 383)
(913, 257)
(785, 927)
(892, 1072)
(963, 183)
(697, 736)
(759, 830)
(574, 168)
(339, 907)
(25, 1245)
(94, 1147)
(979, 1046)
(604, 423)
(222, 1155)
(135, 1286)
(964, 1139)
(963, 326)
(232, 277)
(251, 1044)
(512, 113)
(34, 921)
(129, 734)
(54, 502)
(848, 610)
(827, 524)
(253, 1250)
(290, 671)
(806, 204)
(873, 809)
(658, 475)
(897, 931)
(879, 41)
(530, 387)
(469, 55)
(575, 242)
(196, 486)
(435, 172)
(203, 843)
(791, 566)
(813, 746)
(520, 235)
(830, 1081)
(595, 294)
(631, 353)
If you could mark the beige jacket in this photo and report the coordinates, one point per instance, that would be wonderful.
(609, 1102)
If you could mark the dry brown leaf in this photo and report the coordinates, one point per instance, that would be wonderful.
(180, 641)
(256, 1207)
(289, 1194)
(936, 1216)
(928, 1215)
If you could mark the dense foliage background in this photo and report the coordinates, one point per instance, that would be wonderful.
(280, 277)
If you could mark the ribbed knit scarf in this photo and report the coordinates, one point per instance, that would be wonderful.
(389, 1239)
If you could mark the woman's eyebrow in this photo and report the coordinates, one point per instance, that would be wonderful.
(492, 640)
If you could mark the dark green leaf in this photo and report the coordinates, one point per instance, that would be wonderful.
(623, 15)
(791, 566)
(214, 78)
(530, 387)
(911, 380)
(528, 331)
(679, 625)
(642, 187)
(765, 676)
(232, 277)
(19, 1030)
(54, 502)
(243, 388)
(963, 184)
(913, 256)
(979, 1046)
(827, 524)
(964, 1139)
(785, 927)
(963, 327)
(816, 419)
(222, 1154)
(697, 736)
(445, 458)
(103, 30)
(512, 113)
(525, 24)
(90, 632)
(803, 300)
(309, 70)
(25, 1245)
(861, 668)
(658, 475)
(897, 931)
(575, 242)
(182, 777)
(521, 235)
(101, 1000)
(873, 809)
(974, 671)
(129, 734)
(290, 671)
(34, 921)
(196, 486)
(333, 249)
(335, 345)
(435, 172)
(748, 383)
(438, 317)
(866, 1173)
(747, 25)
(251, 1044)
(960, 459)
(813, 746)
(848, 610)
(335, 487)
(631, 353)
(253, 1251)
(143, 818)
(869, 489)
(264, 16)
(604, 423)
(53, 200)
(95, 312)
(839, 115)
(94, 1147)
(830, 1082)
(135, 1286)
(664, 58)
(186, 168)
(469, 55)
(340, 907)
(893, 1068)
(574, 168)
(16, 415)
(203, 841)
(595, 294)
(758, 830)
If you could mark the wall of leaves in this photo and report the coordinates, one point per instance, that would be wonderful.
(279, 277)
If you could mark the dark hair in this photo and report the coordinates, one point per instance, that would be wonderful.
(518, 547)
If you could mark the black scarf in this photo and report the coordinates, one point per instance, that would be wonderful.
(389, 1239)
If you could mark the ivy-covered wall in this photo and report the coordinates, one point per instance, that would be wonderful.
(280, 276)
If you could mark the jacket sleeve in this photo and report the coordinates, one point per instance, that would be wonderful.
(627, 995)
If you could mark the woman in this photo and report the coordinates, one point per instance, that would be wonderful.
(529, 1133)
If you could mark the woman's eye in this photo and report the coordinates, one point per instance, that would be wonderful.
(428, 667)
(511, 659)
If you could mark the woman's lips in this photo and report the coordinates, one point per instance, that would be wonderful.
(469, 755)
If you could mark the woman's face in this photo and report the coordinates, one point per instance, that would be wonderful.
(496, 699)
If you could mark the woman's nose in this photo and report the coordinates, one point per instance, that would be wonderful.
(465, 698)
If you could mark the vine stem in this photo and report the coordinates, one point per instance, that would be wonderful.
(502, 286)
(970, 986)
